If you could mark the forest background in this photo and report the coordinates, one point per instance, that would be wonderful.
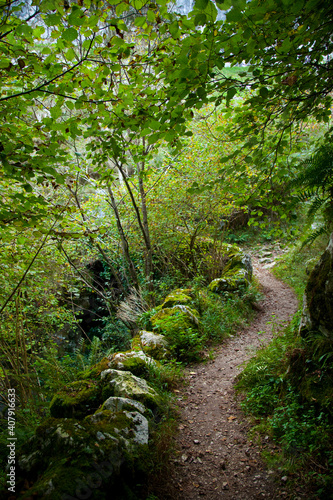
(135, 142)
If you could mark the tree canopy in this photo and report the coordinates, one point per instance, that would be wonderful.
(91, 92)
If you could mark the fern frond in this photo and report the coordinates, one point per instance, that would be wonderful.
(303, 197)
(316, 205)
(323, 229)
(95, 351)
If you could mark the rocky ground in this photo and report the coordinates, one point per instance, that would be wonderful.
(215, 458)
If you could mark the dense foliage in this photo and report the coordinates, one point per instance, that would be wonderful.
(134, 141)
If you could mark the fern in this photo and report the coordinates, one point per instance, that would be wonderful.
(323, 229)
(316, 183)
(96, 352)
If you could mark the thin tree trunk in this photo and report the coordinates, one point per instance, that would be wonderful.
(149, 255)
(124, 242)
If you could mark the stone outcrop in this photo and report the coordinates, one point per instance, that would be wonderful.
(153, 344)
(234, 280)
(318, 298)
(136, 362)
(179, 296)
(98, 430)
(125, 384)
(236, 275)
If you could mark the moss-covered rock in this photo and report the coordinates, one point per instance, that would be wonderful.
(240, 260)
(127, 426)
(179, 296)
(125, 384)
(136, 362)
(76, 400)
(234, 280)
(153, 344)
(180, 326)
(180, 315)
(318, 298)
(95, 371)
(67, 458)
(116, 404)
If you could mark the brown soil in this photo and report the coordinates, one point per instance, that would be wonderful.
(214, 457)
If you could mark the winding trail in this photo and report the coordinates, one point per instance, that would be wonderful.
(215, 460)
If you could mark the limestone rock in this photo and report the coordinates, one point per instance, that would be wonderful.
(232, 281)
(153, 344)
(140, 425)
(179, 296)
(118, 404)
(132, 426)
(65, 456)
(76, 400)
(182, 315)
(125, 384)
(240, 260)
(318, 297)
(136, 362)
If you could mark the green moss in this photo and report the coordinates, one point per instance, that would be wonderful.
(75, 454)
(181, 327)
(234, 263)
(317, 388)
(233, 280)
(183, 316)
(179, 296)
(126, 385)
(319, 293)
(137, 366)
(154, 345)
(95, 371)
(76, 400)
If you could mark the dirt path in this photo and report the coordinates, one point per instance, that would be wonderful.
(215, 459)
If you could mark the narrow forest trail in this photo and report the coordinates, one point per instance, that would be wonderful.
(215, 459)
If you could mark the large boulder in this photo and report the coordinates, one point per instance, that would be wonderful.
(124, 384)
(180, 326)
(318, 298)
(153, 344)
(136, 362)
(118, 404)
(236, 275)
(234, 280)
(179, 296)
(240, 260)
(67, 458)
(76, 400)
(180, 316)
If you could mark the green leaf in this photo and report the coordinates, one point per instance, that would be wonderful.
(200, 19)
(201, 4)
(24, 30)
(224, 4)
(234, 15)
(52, 19)
(140, 21)
(263, 91)
(151, 16)
(70, 34)
(174, 29)
(231, 92)
(122, 7)
(70, 54)
(76, 18)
